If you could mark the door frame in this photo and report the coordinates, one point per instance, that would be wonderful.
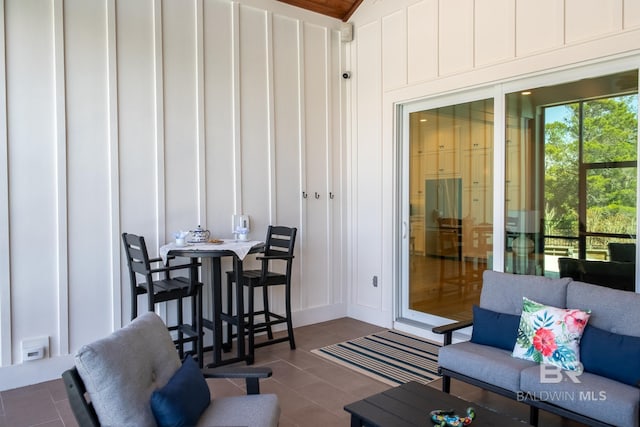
(403, 314)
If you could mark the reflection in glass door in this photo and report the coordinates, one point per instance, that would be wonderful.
(571, 180)
(450, 207)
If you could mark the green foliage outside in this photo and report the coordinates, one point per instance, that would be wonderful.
(610, 135)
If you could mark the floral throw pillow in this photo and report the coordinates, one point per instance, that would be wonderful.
(550, 335)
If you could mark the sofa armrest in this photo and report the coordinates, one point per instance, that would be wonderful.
(251, 375)
(449, 329)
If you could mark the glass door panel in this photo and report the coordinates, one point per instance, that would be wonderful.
(451, 207)
(571, 175)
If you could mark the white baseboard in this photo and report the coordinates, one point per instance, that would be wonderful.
(369, 315)
(37, 371)
(314, 315)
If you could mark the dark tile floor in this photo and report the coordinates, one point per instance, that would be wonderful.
(312, 391)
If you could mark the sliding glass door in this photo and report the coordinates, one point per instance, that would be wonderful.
(514, 178)
(450, 196)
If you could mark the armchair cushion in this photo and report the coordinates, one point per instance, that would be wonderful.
(183, 399)
(256, 410)
(122, 370)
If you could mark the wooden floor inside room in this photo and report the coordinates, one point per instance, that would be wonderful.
(445, 287)
(312, 391)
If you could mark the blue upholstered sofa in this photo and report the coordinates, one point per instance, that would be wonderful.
(604, 393)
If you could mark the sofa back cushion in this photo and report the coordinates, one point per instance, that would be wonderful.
(612, 310)
(503, 292)
(122, 370)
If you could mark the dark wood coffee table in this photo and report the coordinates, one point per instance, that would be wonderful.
(410, 405)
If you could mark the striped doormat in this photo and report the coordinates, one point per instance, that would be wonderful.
(389, 356)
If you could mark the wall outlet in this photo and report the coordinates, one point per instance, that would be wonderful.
(35, 348)
(374, 282)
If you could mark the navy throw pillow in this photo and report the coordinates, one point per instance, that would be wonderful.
(183, 399)
(611, 355)
(494, 329)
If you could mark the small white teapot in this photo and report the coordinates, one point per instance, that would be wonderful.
(199, 235)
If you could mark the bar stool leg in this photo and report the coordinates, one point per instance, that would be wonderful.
(228, 345)
(292, 342)
(265, 304)
(250, 326)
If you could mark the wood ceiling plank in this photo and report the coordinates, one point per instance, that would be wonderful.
(340, 9)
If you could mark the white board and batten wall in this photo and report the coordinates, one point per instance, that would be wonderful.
(149, 117)
(408, 50)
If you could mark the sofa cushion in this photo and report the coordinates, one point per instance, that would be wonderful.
(550, 334)
(183, 399)
(503, 292)
(494, 329)
(612, 310)
(592, 395)
(489, 364)
(122, 370)
(611, 355)
(255, 410)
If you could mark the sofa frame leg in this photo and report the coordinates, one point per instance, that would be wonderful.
(533, 415)
(446, 384)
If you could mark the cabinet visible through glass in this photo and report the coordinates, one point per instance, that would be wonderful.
(451, 207)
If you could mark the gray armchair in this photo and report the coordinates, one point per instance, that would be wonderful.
(115, 378)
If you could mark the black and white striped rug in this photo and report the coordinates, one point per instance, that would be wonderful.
(389, 356)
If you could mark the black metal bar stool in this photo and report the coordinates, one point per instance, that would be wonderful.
(278, 249)
(166, 289)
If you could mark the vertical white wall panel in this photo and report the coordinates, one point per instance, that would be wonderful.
(115, 267)
(539, 25)
(589, 18)
(137, 126)
(422, 43)
(254, 107)
(32, 168)
(631, 10)
(455, 40)
(314, 241)
(367, 221)
(287, 130)
(180, 82)
(88, 171)
(494, 31)
(5, 247)
(394, 50)
(219, 106)
(337, 186)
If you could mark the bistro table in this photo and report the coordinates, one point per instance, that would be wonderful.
(210, 254)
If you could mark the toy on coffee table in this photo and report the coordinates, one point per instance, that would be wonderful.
(448, 418)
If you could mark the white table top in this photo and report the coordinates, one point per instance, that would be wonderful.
(240, 247)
